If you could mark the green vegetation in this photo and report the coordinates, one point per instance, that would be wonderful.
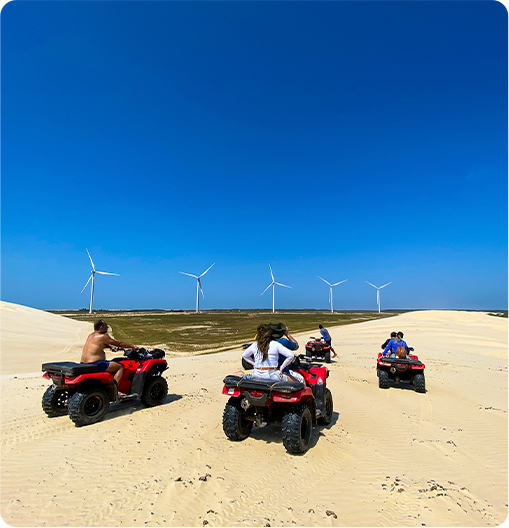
(502, 313)
(212, 330)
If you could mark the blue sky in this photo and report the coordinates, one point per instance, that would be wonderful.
(352, 140)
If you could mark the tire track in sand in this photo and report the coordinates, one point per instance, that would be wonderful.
(33, 427)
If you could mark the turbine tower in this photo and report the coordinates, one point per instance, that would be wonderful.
(273, 284)
(378, 292)
(91, 278)
(330, 291)
(198, 286)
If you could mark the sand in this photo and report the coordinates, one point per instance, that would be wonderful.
(389, 458)
(29, 337)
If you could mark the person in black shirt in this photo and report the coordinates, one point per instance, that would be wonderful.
(393, 336)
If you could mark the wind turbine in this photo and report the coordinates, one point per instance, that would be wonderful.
(378, 292)
(330, 291)
(273, 284)
(198, 286)
(91, 278)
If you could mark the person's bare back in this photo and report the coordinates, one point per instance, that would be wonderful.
(94, 347)
(93, 351)
(97, 341)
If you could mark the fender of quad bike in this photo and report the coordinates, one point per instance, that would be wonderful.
(231, 391)
(151, 367)
(292, 397)
(422, 366)
(143, 366)
(381, 363)
(154, 366)
(315, 375)
(103, 379)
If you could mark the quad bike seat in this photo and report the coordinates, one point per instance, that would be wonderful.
(69, 368)
(261, 384)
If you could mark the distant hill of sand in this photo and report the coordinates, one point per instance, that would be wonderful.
(389, 457)
(30, 337)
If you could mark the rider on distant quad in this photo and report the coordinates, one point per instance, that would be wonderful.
(394, 344)
(93, 351)
(327, 338)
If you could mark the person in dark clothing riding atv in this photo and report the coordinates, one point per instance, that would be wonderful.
(387, 341)
(93, 351)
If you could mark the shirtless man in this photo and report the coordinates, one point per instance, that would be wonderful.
(93, 351)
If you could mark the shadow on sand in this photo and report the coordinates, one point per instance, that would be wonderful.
(130, 406)
(402, 385)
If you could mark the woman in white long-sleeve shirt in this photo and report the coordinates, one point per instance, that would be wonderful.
(263, 355)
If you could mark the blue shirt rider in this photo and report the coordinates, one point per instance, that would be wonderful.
(393, 345)
(327, 338)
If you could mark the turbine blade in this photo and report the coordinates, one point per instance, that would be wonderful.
(325, 280)
(202, 294)
(279, 284)
(184, 273)
(107, 273)
(206, 270)
(372, 285)
(340, 282)
(92, 262)
(385, 285)
(89, 279)
(266, 288)
(271, 274)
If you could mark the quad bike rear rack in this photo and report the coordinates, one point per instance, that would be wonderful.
(401, 361)
(263, 385)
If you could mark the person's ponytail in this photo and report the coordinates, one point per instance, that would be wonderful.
(264, 337)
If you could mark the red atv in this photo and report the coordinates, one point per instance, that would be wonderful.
(318, 348)
(85, 394)
(396, 369)
(293, 405)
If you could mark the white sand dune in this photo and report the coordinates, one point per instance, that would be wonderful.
(29, 337)
(389, 458)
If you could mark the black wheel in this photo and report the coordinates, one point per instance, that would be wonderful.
(419, 383)
(235, 426)
(326, 419)
(55, 402)
(296, 431)
(327, 356)
(88, 406)
(383, 379)
(309, 354)
(155, 391)
(246, 365)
